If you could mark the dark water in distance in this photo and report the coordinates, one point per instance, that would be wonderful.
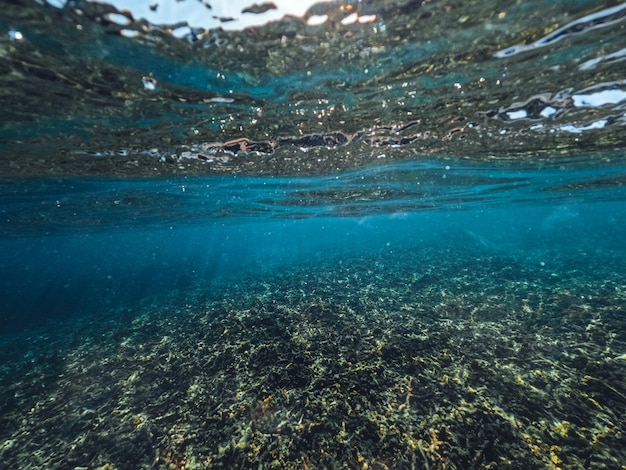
(100, 239)
(389, 240)
(73, 244)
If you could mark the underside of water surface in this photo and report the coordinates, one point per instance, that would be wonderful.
(90, 89)
(365, 235)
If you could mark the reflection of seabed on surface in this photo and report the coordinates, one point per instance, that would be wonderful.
(132, 98)
(436, 360)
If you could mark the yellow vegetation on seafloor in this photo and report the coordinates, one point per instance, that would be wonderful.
(106, 466)
(554, 457)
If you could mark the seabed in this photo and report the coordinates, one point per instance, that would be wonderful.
(424, 360)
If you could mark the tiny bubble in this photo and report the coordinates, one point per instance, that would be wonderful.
(15, 35)
(149, 83)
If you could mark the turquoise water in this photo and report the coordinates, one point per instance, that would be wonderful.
(73, 245)
(384, 241)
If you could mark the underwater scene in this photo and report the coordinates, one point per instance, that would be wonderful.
(295, 235)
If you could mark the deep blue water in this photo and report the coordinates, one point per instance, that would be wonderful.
(72, 245)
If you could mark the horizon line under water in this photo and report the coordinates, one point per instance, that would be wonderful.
(96, 240)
